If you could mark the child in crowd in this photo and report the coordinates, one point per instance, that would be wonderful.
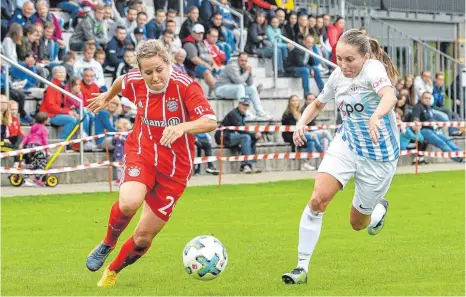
(122, 125)
(37, 136)
(15, 134)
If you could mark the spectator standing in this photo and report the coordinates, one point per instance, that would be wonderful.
(289, 29)
(236, 82)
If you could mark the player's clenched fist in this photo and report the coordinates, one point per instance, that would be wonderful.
(171, 134)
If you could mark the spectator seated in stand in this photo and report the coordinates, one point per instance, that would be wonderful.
(230, 24)
(156, 26)
(188, 24)
(141, 22)
(137, 36)
(438, 93)
(236, 82)
(457, 93)
(203, 141)
(288, 29)
(88, 62)
(409, 136)
(91, 27)
(273, 33)
(226, 41)
(323, 135)
(116, 48)
(245, 140)
(105, 120)
(129, 22)
(69, 60)
(128, 110)
(25, 17)
(30, 43)
(176, 42)
(15, 136)
(88, 85)
(16, 95)
(74, 87)
(24, 81)
(13, 38)
(198, 61)
(50, 50)
(259, 44)
(219, 58)
(423, 112)
(43, 16)
(302, 64)
(167, 40)
(179, 61)
(129, 61)
(54, 104)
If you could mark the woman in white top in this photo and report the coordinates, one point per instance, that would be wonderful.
(13, 38)
(366, 147)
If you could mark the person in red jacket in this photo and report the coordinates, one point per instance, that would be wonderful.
(334, 32)
(54, 104)
(218, 56)
(88, 85)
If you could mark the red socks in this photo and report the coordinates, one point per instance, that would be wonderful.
(117, 223)
(128, 254)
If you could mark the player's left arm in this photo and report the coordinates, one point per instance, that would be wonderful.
(200, 118)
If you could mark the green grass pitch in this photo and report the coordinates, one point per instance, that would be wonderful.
(46, 239)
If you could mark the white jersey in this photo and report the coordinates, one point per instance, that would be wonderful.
(357, 100)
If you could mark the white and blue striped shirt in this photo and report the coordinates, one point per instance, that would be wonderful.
(357, 100)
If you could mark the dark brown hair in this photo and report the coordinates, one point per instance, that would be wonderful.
(371, 46)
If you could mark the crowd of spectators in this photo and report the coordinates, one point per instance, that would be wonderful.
(105, 34)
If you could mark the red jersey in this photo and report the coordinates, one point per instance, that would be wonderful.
(181, 101)
(15, 127)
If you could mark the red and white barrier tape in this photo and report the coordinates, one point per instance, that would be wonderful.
(442, 154)
(200, 160)
(266, 128)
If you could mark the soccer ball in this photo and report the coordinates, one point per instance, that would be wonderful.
(205, 257)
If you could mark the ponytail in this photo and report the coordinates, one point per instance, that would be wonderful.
(381, 55)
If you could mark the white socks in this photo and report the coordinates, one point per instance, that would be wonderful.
(377, 214)
(309, 232)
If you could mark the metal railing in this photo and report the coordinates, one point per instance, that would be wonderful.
(45, 81)
(298, 46)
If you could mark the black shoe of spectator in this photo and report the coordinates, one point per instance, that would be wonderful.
(212, 170)
(281, 74)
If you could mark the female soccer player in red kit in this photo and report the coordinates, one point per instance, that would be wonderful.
(159, 152)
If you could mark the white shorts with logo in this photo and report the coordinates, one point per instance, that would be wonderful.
(372, 178)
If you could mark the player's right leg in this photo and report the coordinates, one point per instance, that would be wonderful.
(132, 194)
(336, 169)
(326, 186)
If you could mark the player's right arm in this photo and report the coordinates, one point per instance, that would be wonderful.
(101, 100)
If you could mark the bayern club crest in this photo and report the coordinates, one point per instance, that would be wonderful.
(172, 105)
(134, 171)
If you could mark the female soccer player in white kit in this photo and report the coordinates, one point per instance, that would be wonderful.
(366, 145)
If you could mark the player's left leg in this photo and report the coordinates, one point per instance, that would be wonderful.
(372, 181)
(135, 247)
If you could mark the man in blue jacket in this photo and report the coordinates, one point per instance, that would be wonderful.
(24, 16)
(116, 49)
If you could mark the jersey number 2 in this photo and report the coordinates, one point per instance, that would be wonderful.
(164, 208)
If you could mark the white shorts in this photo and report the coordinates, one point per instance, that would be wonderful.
(372, 178)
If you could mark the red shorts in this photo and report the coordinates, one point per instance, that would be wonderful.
(162, 191)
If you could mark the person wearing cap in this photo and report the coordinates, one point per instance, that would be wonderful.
(128, 109)
(137, 36)
(236, 82)
(198, 59)
(245, 140)
(188, 25)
